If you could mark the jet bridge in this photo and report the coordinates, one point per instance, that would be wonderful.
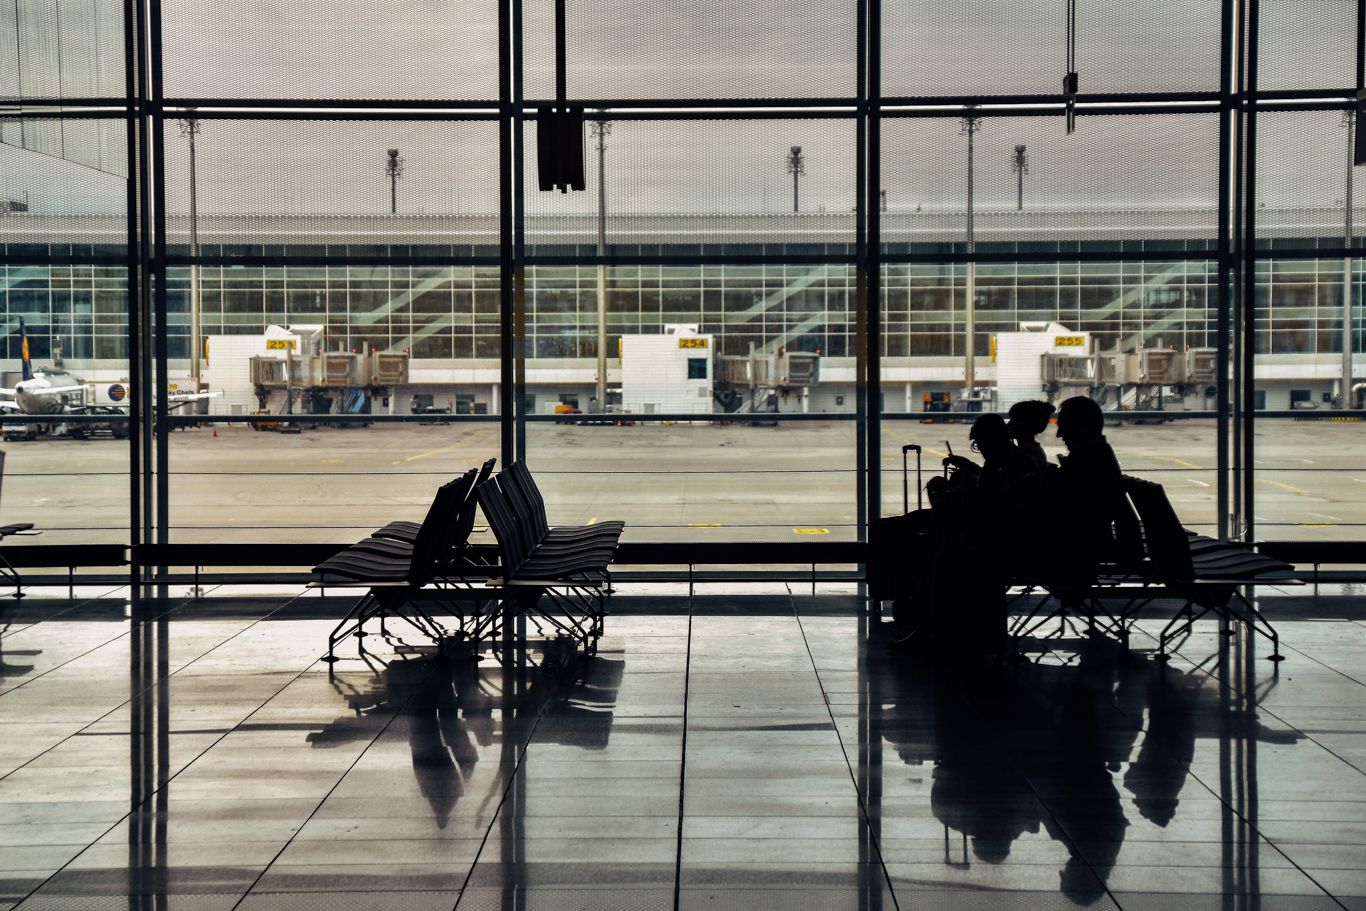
(753, 382)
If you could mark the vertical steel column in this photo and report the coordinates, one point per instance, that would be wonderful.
(862, 454)
(506, 280)
(1250, 282)
(518, 349)
(161, 389)
(1237, 124)
(141, 371)
(872, 211)
(1223, 267)
(133, 123)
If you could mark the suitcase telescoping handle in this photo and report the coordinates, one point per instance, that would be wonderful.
(905, 489)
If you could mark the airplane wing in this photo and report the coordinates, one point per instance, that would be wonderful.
(6, 392)
(10, 406)
(59, 390)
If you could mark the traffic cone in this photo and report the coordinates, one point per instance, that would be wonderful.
(215, 432)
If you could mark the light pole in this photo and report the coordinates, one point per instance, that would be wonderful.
(1019, 163)
(189, 128)
(796, 166)
(969, 127)
(1345, 401)
(601, 129)
(393, 169)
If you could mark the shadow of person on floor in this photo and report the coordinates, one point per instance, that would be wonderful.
(453, 709)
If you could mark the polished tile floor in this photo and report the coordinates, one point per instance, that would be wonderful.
(724, 751)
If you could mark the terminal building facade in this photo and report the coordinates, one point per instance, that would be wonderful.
(447, 317)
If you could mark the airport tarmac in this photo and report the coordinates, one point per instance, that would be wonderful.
(700, 482)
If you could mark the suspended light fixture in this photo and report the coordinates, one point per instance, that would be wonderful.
(559, 129)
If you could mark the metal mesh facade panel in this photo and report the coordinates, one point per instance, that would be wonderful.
(331, 49)
(54, 189)
(729, 49)
(312, 188)
(61, 49)
(695, 186)
(1302, 165)
(978, 47)
(1122, 178)
(1306, 44)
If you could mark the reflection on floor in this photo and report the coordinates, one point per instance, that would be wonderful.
(722, 752)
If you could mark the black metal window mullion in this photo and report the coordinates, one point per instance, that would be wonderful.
(506, 289)
(1224, 272)
(1249, 289)
(160, 326)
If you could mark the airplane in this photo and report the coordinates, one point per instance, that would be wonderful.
(53, 391)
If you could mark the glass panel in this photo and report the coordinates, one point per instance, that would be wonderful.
(64, 228)
(1143, 180)
(330, 49)
(1306, 44)
(1124, 307)
(62, 49)
(1303, 159)
(265, 185)
(706, 187)
(1308, 469)
(675, 477)
(731, 49)
(966, 48)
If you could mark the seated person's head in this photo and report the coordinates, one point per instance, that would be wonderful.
(1080, 420)
(989, 435)
(1029, 419)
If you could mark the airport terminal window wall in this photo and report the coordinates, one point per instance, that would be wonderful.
(1139, 227)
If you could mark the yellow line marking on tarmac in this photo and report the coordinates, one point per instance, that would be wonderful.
(331, 461)
(1286, 486)
(812, 531)
(942, 455)
(1177, 461)
(423, 455)
(1317, 525)
(592, 520)
(704, 524)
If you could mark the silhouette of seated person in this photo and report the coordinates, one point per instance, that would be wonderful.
(1087, 491)
(1026, 421)
(965, 556)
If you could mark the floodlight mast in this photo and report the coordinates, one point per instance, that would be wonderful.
(602, 128)
(1019, 163)
(796, 166)
(969, 127)
(190, 128)
(393, 169)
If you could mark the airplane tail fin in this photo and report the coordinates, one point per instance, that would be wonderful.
(23, 350)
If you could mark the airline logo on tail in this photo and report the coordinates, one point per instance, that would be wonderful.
(23, 350)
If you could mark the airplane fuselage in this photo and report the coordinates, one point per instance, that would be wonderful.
(49, 392)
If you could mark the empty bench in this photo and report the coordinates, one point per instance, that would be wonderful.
(558, 575)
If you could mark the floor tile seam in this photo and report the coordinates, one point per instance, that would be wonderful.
(89, 651)
(152, 686)
(151, 794)
(1195, 776)
(502, 799)
(1067, 841)
(360, 755)
(683, 762)
(853, 776)
(7, 632)
(1223, 684)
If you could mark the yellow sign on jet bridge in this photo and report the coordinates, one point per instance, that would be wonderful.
(280, 344)
(1069, 341)
(692, 343)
